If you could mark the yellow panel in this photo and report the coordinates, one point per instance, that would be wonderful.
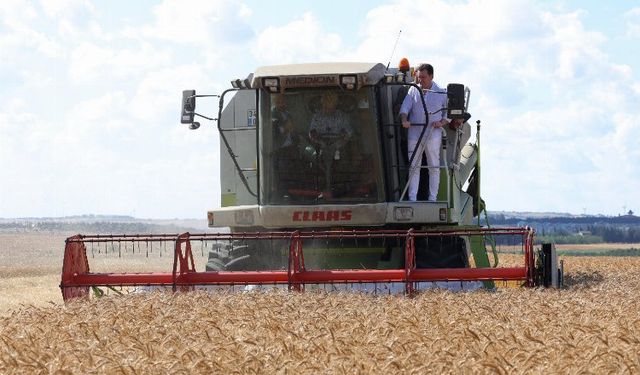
(229, 199)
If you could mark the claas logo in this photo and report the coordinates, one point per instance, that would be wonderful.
(336, 215)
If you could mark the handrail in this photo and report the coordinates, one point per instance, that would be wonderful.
(228, 146)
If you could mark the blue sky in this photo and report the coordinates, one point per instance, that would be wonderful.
(90, 92)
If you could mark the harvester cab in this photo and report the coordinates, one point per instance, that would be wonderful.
(314, 170)
(320, 146)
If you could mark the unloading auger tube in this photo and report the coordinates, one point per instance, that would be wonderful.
(78, 280)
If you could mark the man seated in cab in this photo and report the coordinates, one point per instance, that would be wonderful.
(330, 131)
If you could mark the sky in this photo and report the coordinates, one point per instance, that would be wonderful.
(90, 94)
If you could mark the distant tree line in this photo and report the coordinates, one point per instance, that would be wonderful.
(614, 234)
(576, 230)
(501, 219)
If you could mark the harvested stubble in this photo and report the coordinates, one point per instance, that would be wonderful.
(593, 326)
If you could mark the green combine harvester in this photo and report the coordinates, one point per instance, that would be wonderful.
(308, 205)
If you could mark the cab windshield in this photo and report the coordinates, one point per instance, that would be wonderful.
(320, 146)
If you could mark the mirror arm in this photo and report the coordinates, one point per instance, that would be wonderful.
(190, 111)
(205, 117)
(203, 96)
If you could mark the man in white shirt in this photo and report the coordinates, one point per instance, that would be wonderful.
(413, 118)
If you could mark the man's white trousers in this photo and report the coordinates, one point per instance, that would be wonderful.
(431, 143)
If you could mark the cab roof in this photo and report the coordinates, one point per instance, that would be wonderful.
(319, 74)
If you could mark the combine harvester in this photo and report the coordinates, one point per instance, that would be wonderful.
(328, 209)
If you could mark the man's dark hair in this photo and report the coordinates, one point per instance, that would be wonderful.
(426, 67)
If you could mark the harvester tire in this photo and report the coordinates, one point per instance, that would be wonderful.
(441, 252)
(235, 256)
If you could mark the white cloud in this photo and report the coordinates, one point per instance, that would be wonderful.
(16, 14)
(90, 112)
(73, 17)
(57, 9)
(17, 40)
(158, 94)
(574, 47)
(200, 22)
(35, 80)
(301, 40)
(92, 62)
(633, 22)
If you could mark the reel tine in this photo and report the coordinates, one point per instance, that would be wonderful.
(271, 243)
(426, 246)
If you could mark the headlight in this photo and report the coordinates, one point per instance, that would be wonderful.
(349, 82)
(272, 84)
(443, 214)
(403, 213)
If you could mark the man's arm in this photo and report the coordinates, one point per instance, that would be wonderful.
(405, 108)
(443, 120)
(440, 123)
(405, 121)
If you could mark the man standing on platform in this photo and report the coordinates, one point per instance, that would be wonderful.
(413, 118)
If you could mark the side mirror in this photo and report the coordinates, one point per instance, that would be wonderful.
(455, 101)
(188, 106)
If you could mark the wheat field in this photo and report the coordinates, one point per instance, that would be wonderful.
(591, 326)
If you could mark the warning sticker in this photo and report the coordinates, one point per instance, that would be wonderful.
(251, 117)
